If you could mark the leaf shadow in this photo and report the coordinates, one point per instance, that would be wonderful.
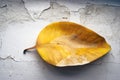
(71, 70)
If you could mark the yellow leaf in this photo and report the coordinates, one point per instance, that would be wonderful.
(70, 44)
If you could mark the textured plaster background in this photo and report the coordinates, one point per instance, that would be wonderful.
(22, 20)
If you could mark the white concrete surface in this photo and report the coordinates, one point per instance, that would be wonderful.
(22, 20)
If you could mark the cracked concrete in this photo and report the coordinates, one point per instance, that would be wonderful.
(39, 6)
(56, 12)
(13, 10)
(8, 57)
(26, 9)
(22, 20)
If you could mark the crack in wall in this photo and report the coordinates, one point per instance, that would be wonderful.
(13, 11)
(42, 12)
(93, 9)
(27, 10)
(55, 12)
(9, 58)
(37, 7)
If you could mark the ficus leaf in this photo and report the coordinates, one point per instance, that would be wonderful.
(69, 44)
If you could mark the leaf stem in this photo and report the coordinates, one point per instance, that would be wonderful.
(25, 50)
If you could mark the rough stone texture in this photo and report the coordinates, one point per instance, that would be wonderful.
(35, 7)
(13, 10)
(55, 12)
(22, 20)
